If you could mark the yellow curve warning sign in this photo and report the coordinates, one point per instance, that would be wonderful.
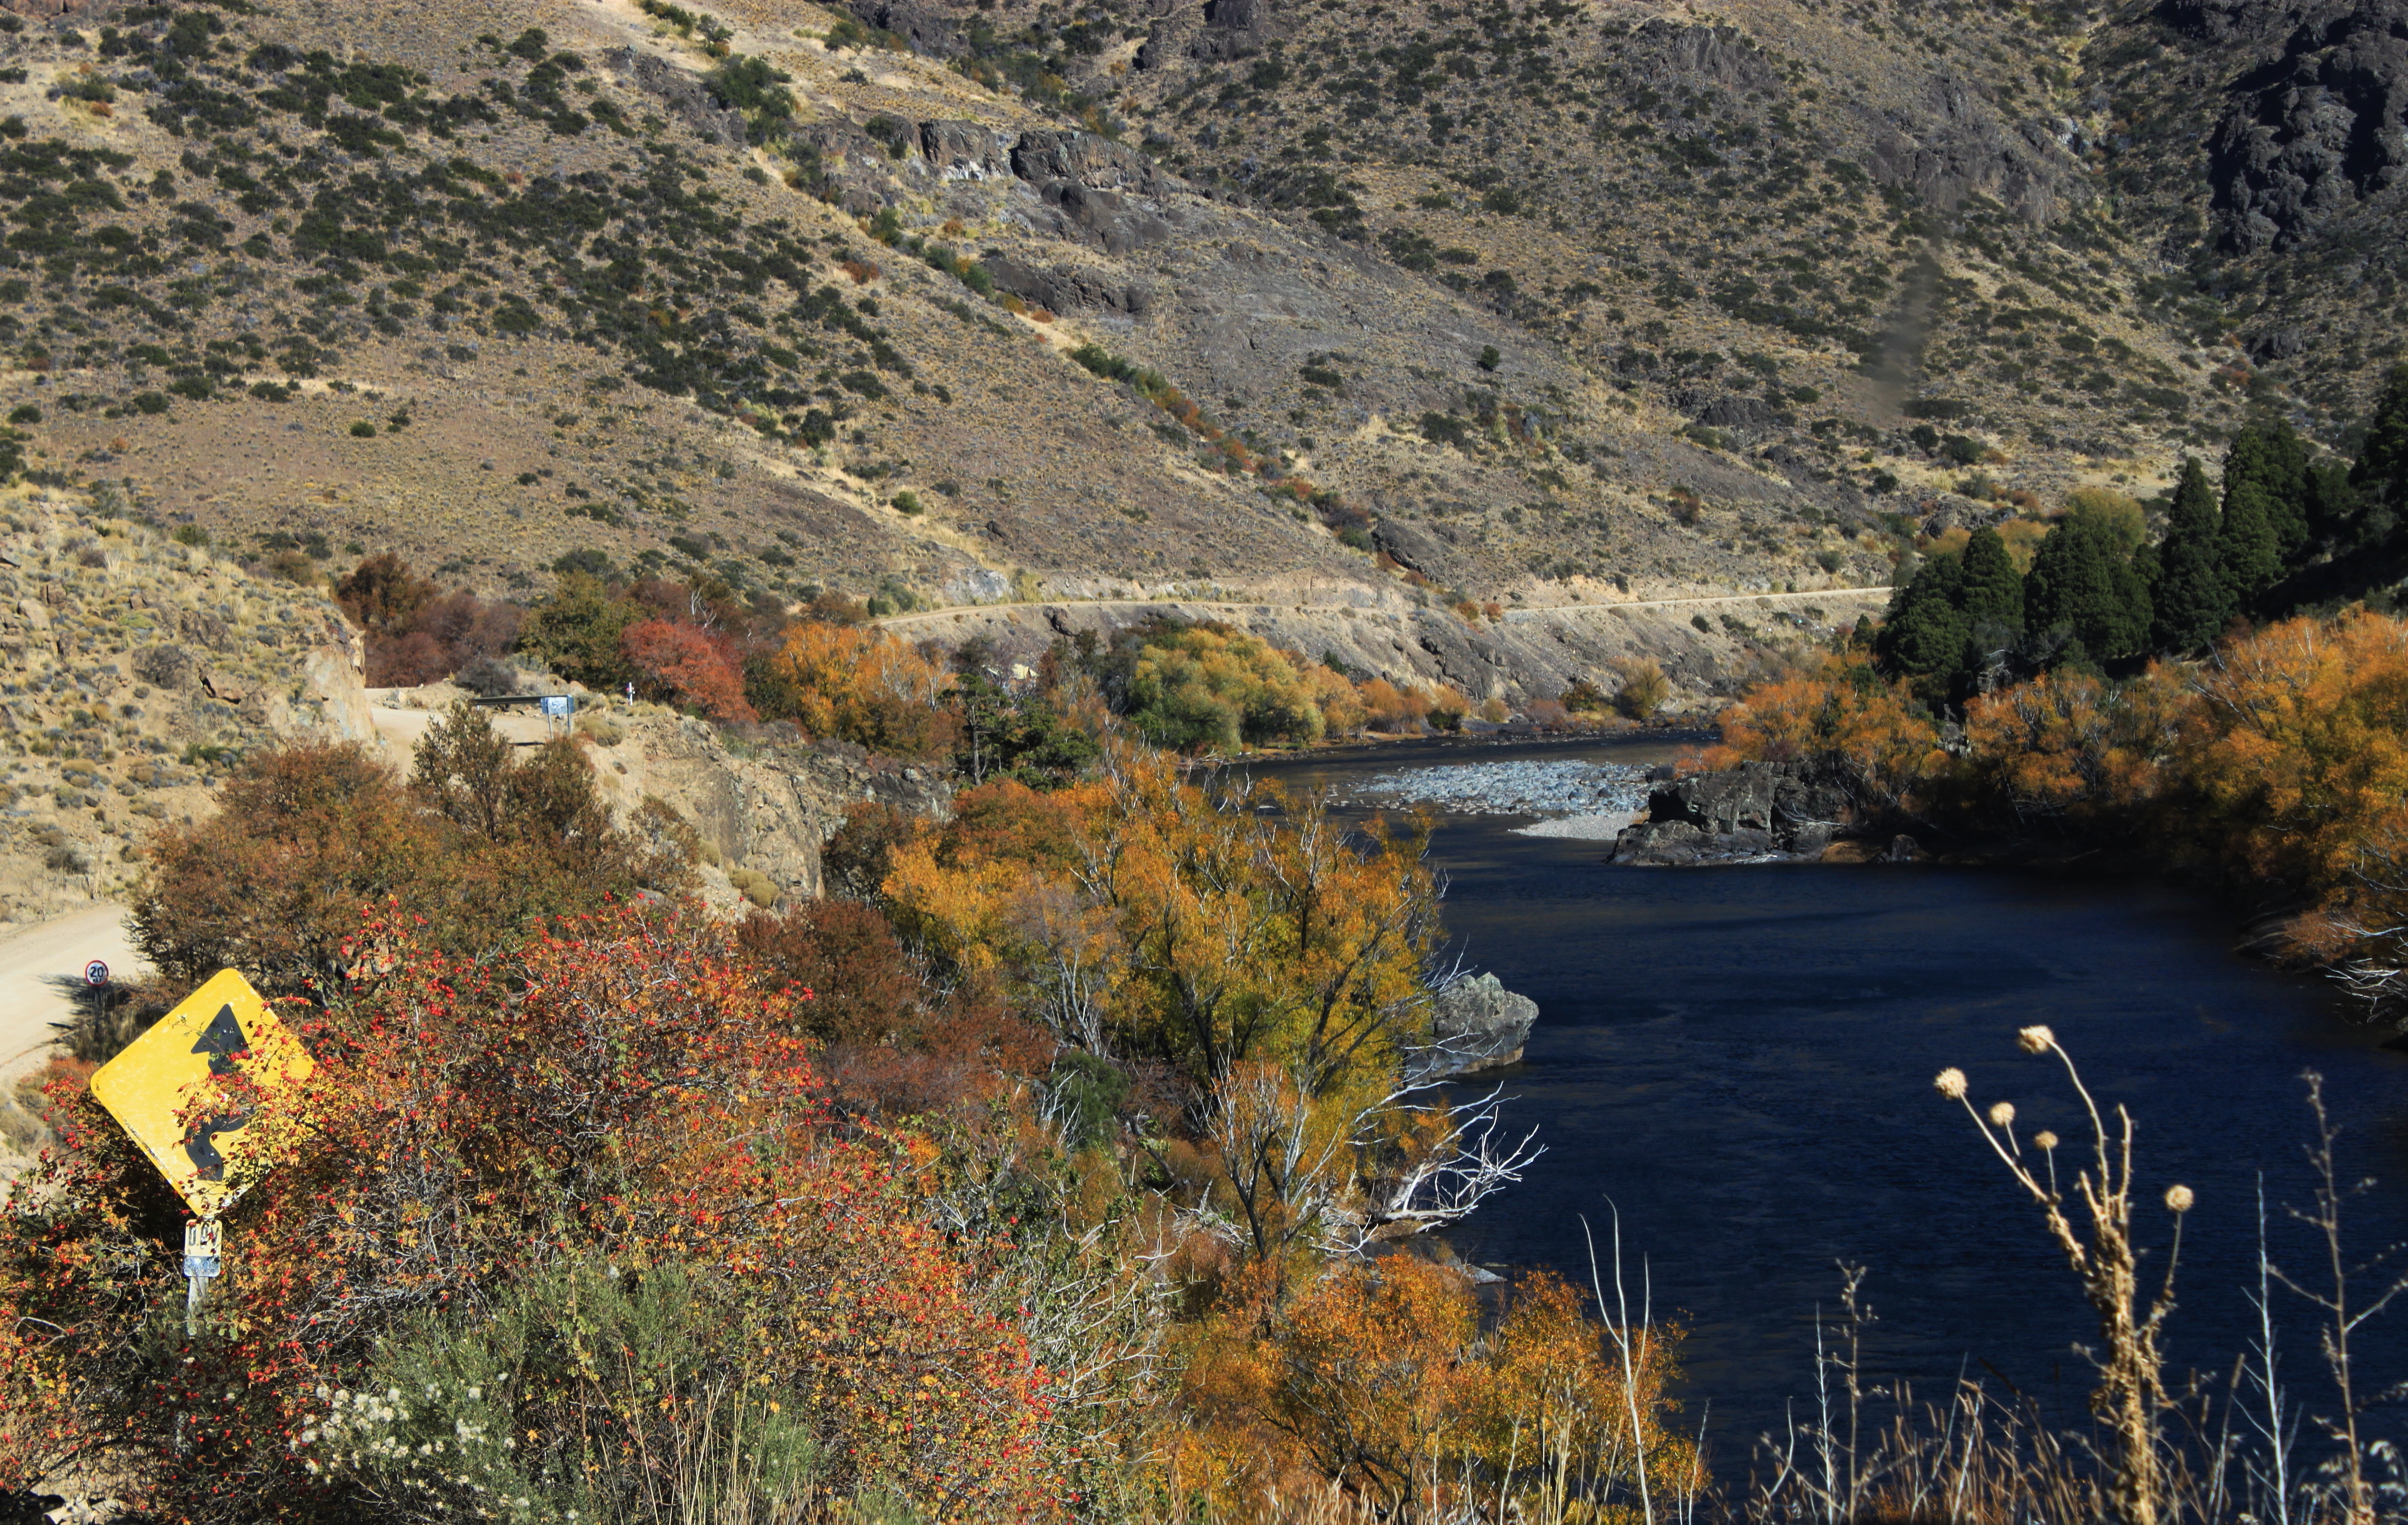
(167, 1090)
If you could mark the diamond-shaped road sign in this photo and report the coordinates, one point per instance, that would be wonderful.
(164, 1089)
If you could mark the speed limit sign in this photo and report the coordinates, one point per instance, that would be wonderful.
(95, 974)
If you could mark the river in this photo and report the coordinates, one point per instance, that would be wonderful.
(1741, 1059)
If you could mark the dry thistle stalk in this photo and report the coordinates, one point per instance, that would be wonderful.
(2131, 1387)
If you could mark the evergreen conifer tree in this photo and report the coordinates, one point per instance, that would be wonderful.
(2084, 583)
(2192, 597)
(2248, 546)
(2272, 459)
(1993, 593)
(2380, 478)
(1924, 634)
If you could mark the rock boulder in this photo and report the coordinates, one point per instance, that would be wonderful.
(1746, 814)
(1478, 1024)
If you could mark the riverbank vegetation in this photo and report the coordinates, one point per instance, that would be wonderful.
(2273, 768)
(2268, 757)
(1080, 1169)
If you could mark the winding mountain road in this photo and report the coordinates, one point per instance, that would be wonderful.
(892, 622)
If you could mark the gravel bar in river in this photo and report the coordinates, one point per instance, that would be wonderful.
(1514, 788)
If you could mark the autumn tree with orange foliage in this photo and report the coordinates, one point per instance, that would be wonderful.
(586, 1200)
(688, 667)
(1840, 714)
(2069, 751)
(2294, 747)
(858, 684)
(1212, 932)
(1381, 1379)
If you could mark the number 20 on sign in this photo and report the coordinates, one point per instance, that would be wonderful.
(167, 1090)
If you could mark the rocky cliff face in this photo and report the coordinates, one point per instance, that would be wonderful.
(768, 804)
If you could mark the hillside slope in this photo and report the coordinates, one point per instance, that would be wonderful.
(492, 285)
(1386, 306)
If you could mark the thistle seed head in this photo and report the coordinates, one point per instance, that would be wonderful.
(2002, 1113)
(1951, 1083)
(2179, 1199)
(2045, 1140)
(2036, 1040)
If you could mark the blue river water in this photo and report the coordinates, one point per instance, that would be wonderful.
(1741, 1061)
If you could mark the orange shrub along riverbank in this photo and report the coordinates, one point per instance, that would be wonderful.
(2277, 767)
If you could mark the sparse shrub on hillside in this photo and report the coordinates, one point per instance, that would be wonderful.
(1642, 690)
(1392, 709)
(577, 631)
(752, 86)
(414, 635)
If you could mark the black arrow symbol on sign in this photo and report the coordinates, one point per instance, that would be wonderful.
(220, 1040)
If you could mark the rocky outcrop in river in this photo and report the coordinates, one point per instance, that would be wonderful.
(1753, 812)
(1479, 1025)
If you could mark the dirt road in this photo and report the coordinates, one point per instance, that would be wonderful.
(897, 622)
(38, 970)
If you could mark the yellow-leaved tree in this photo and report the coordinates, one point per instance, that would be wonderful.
(859, 685)
(1209, 929)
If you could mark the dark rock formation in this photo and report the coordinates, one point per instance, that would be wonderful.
(1234, 29)
(923, 25)
(1088, 159)
(167, 666)
(1478, 1024)
(1730, 410)
(965, 150)
(1107, 216)
(1753, 811)
(1676, 53)
(1409, 547)
(2316, 129)
(1064, 289)
(1958, 144)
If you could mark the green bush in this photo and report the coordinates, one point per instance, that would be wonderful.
(1210, 687)
(363, 430)
(603, 1359)
(25, 413)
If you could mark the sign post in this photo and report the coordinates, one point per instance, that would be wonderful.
(167, 1090)
(204, 1249)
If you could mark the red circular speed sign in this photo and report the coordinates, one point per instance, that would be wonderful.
(95, 974)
